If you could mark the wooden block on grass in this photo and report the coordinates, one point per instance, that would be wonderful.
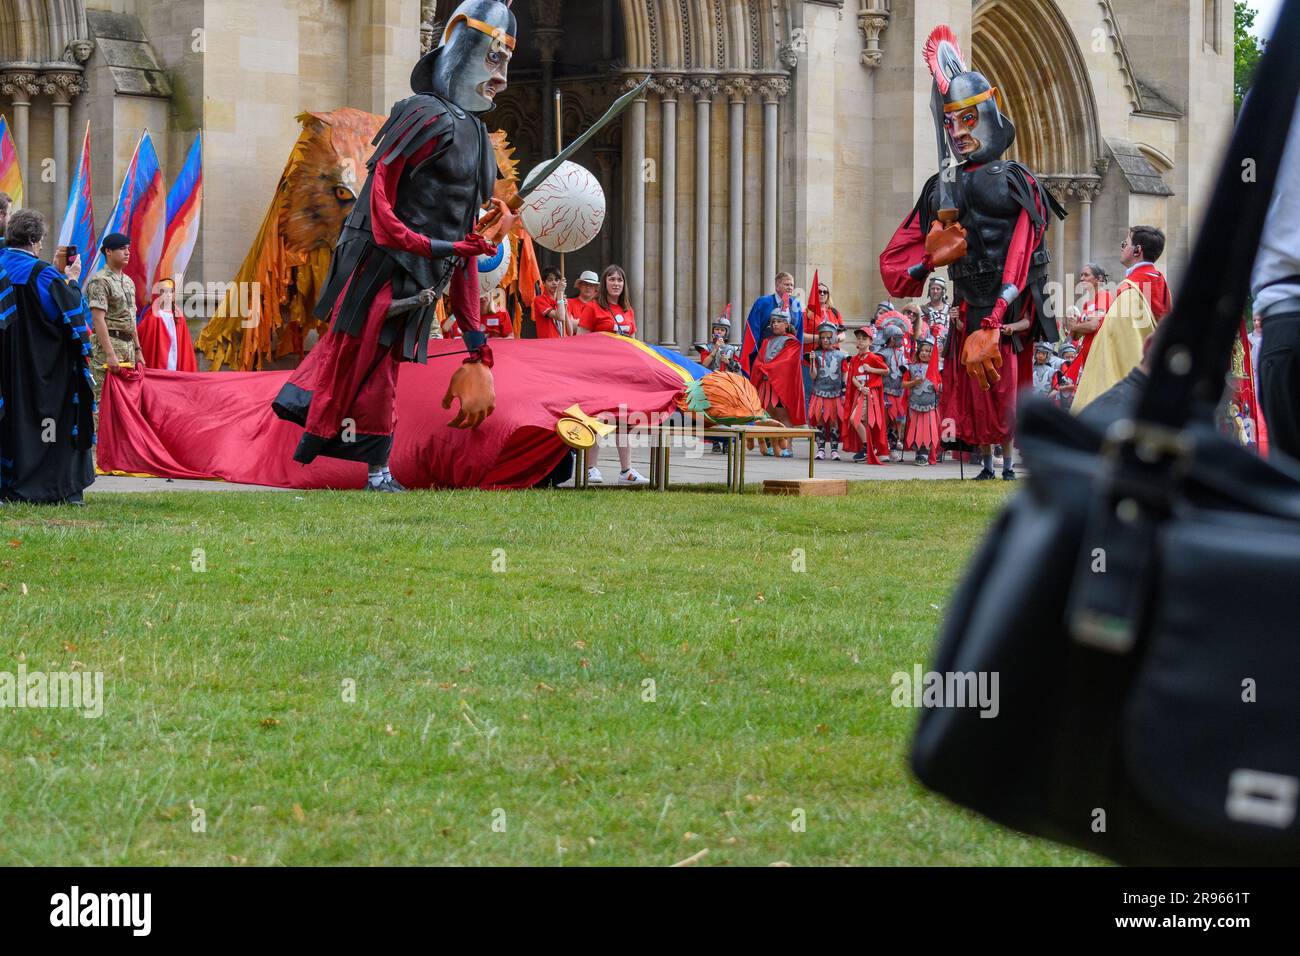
(806, 487)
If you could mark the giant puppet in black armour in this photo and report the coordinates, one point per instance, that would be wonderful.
(985, 218)
(408, 240)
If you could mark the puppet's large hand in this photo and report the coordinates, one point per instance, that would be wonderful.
(472, 246)
(946, 242)
(501, 225)
(472, 384)
(982, 357)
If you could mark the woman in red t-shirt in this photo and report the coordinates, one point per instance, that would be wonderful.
(610, 312)
(496, 320)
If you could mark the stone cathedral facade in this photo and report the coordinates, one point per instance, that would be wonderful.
(776, 134)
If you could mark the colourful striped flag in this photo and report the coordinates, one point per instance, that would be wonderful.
(140, 213)
(79, 220)
(11, 177)
(184, 203)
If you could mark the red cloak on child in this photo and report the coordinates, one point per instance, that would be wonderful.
(777, 375)
(878, 443)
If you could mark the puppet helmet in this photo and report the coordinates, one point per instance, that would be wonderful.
(456, 69)
(961, 90)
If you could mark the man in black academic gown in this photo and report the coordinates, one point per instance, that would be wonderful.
(47, 403)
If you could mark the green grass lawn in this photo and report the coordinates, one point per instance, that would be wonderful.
(499, 645)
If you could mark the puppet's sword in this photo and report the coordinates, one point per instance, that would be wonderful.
(539, 177)
(947, 166)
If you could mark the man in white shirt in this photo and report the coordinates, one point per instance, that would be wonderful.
(1275, 286)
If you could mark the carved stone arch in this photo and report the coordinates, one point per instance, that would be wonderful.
(40, 31)
(735, 16)
(1030, 53)
(673, 36)
(719, 29)
(636, 33)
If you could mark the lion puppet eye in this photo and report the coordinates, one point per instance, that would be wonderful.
(343, 194)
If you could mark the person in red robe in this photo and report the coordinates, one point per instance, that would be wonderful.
(864, 429)
(164, 336)
(777, 372)
(986, 219)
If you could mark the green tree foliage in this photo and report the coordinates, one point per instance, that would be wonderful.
(1247, 50)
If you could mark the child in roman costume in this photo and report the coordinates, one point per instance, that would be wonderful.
(1044, 369)
(895, 394)
(1063, 381)
(718, 354)
(826, 407)
(865, 430)
(922, 384)
(777, 373)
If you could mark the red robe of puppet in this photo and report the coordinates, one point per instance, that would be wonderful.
(156, 341)
(854, 398)
(779, 379)
(979, 417)
(352, 377)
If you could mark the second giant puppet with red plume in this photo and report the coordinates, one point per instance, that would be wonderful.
(985, 218)
(410, 239)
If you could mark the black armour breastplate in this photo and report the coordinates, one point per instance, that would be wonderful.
(988, 213)
(440, 196)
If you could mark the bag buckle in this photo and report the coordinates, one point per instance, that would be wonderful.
(1105, 632)
(1150, 441)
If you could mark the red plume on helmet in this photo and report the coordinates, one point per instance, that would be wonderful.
(942, 55)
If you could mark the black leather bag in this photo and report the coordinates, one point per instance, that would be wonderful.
(1139, 599)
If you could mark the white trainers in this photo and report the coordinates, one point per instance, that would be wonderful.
(594, 477)
(633, 477)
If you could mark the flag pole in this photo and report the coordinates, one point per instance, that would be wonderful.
(559, 140)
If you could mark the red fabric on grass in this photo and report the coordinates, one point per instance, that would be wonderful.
(220, 424)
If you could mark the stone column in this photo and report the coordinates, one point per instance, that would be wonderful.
(634, 203)
(1087, 190)
(667, 325)
(62, 87)
(21, 87)
(737, 89)
(703, 88)
(773, 89)
(605, 156)
(1060, 190)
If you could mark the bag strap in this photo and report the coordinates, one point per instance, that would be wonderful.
(1191, 356)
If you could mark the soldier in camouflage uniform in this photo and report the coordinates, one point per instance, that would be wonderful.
(110, 294)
